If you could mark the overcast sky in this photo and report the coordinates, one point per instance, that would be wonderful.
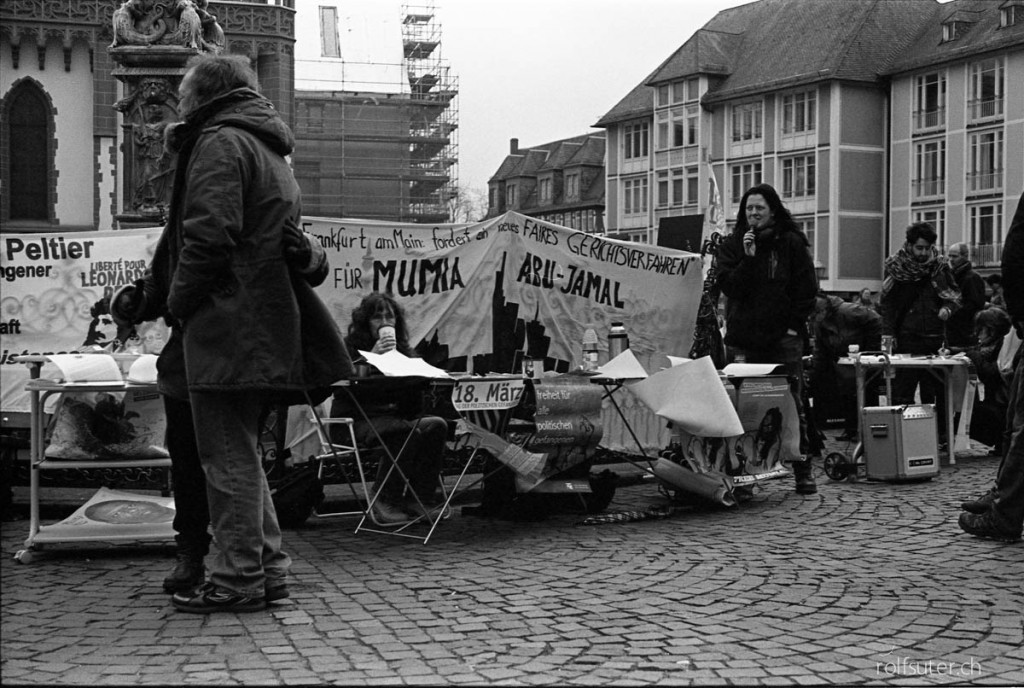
(543, 70)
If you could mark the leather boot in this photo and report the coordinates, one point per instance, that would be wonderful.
(803, 472)
(188, 574)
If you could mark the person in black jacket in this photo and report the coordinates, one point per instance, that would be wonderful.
(417, 439)
(836, 325)
(972, 297)
(919, 294)
(999, 514)
(766, 272)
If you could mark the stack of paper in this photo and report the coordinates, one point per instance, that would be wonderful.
(395, 364)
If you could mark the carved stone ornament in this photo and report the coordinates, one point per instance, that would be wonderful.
(186, 23)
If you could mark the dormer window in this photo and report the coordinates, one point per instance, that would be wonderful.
(953, 30)
(1011, 13)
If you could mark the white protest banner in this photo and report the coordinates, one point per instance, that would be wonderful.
(54, 287)
(480, 297)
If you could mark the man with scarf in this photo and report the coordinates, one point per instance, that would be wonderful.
(252, 331)
(919, 294)
(972, 297)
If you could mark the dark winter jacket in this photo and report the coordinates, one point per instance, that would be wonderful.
(910, 312)
(960, 325)
(769, 293)
(246, 322)
(1013, 267)
(845, 324)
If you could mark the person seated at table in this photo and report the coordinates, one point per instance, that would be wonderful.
(988, 418)
(379, 326)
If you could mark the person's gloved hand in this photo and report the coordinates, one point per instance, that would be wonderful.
(943, 313)
(125, 305)
(302, 252)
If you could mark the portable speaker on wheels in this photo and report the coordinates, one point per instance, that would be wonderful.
(900, 442)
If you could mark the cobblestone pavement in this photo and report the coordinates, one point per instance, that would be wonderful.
(863, 583)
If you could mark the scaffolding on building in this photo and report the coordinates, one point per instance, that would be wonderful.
(385, 147)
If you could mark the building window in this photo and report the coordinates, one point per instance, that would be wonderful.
(692, 186)
(986, 89)
(1010, 15)
(930, 168)
(679, 92)
(545, 190)
(330, 46)
(692, 90)
(799, 112)
(985, 223)
(492, 199)
(692, 126)
(930, 101)
(986, 161)
(572, 186)
(662, 189)
(663, 94)
(510, 195)
(635, 141)
(677, 187)
(743, 177)
(634, 196)
(29, 155)
(806, 225)
(746, 122)
(953, 30)
(798, 176)
(663, 141)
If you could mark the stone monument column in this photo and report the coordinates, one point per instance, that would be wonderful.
(153, 39)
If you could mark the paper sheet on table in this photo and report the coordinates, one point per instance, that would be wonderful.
(749, 369)
(396, 364)
(623, 367)
(87, 367)
(673, 361)
(692, 396)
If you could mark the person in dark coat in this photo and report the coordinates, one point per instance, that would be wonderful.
(252, 331)
(836, 325)
(417, 439)
(988, 419)
(767, 275)
(999, 514)
(146, 300)
(960, 325)
(919, 294)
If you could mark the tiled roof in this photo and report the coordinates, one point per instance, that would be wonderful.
(507, 166)
(590, 153)
(802, 41)
(983, 35)
(530, 162)
(639, 102)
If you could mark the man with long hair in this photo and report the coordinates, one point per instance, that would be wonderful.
(766, 272)
(919, 293)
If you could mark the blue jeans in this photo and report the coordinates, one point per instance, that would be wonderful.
(245, 529)
(788, 352)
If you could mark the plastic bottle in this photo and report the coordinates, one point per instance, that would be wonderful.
(590, 349)
(618, 340)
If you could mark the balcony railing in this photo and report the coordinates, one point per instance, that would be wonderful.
(929, 119)
(986, 255)
(929, 187)
(984, 109)
(985, 181)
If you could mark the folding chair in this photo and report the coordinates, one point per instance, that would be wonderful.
(344, 454)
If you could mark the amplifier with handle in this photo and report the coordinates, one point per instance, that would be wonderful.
(900, 442)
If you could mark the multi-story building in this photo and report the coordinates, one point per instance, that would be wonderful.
(819, 99)
(561, 182)
(376, 115)
(61, 166)
(957, 126)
